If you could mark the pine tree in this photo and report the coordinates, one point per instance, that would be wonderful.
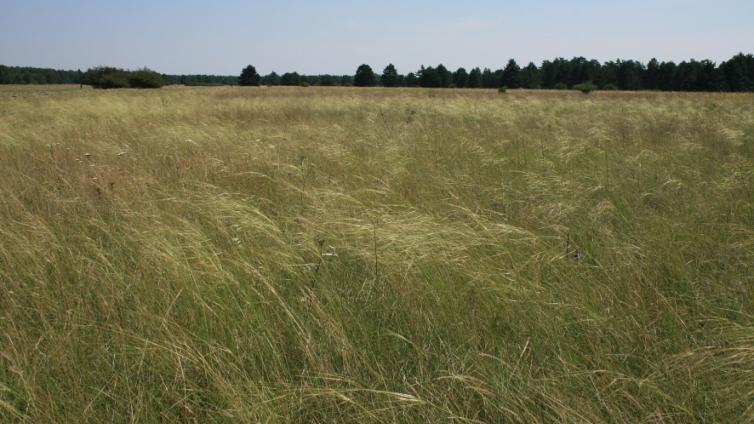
(475, 78)
(651, 80)
(389, 76)
(249, 76)
(529, 76)
(444, 77)
(428, 77)
(412, 80)
(460, 78)
(510, 77)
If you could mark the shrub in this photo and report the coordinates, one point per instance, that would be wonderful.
(609, 87)
(109, 77)
(106, 77)
(502, 89)
(561, 86)
(585, 87)
(145, 78)
(304, 84)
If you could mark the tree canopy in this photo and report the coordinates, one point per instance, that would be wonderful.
(460, 78)
(389, 76)
(249, 77)
(510, 75)
(364, 77)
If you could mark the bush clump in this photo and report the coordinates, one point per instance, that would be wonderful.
(609, 87)
(144, 78)
(502, 89)
(585, 87)
(109, 77)
(106, 77)
(561, 86)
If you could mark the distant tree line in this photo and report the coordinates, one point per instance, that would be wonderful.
(27, 75)
(735, 74)
(249, 76)
(196, 80)
(294, 78)
(99, 77)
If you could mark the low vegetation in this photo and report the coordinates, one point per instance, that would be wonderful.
(375, 256)
(108, 77)
(586, 87)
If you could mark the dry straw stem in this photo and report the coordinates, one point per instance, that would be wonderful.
(373, 255)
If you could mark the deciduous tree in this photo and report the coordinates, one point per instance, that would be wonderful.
(364, 77)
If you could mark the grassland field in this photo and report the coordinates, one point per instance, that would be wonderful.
(302, 255)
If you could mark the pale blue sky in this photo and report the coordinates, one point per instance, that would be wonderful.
(312, 37)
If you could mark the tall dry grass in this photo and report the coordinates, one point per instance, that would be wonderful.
(371, 255)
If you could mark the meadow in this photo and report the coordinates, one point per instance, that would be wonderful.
(310, 254)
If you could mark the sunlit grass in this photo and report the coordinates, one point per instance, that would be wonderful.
(375, 255)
